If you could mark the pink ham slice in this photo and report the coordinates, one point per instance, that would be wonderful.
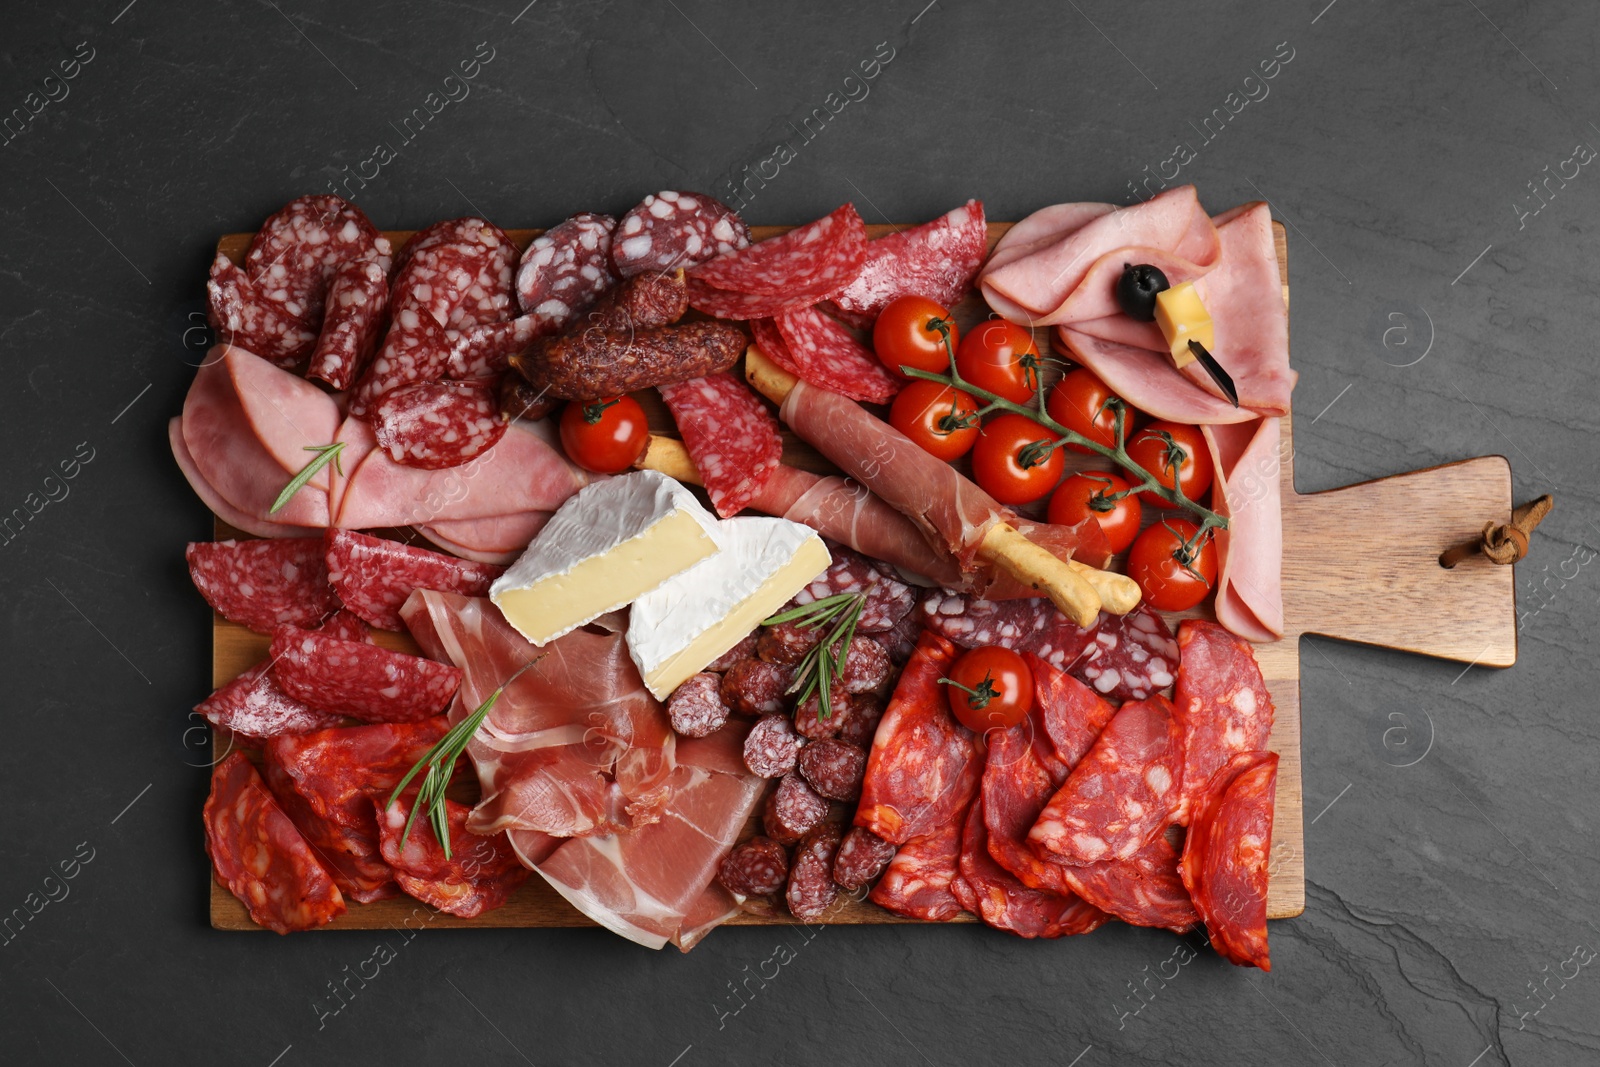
(212, 499)
(1042, 228)
(644, 885)
(577, 745)
(247, 425)
(499, 539)
(1246, 458)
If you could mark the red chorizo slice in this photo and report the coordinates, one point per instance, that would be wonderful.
(260, 856)
(1225, 857)
(360, 680)
(1143, 890)
(918, 883)
(264, 584)
(1003, 902)
(479, 875)
(1221, 703)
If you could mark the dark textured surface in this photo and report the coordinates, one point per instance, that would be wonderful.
(1453, 874)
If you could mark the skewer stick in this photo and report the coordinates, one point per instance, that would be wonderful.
(1073, 587)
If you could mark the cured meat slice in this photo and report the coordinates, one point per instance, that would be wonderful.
(860, 724)
(811, 891)
(756, 687)
(862, 856)
(833, 768)
(867, 667)
(711, 909)
(326, 782)
(254, 707)
(937, 260)
(260, 856)
(772, 747)
(758, 867)
(1246, 459)
(479, 875)
(346, 626)
(745, 649)
(358, 297)
(918, 881)
(1221, 703)
(575, 745)
(1121, 795)
(1022, 625)
(1143, 889)
(787, 643)
(731, 436)
(1003, 902)
(373, 576)
(1225, 857)
(640, 302)
(769, 339)
(496, 541)
(565, 269)
(434, 425)
(924, 765)
(820, 257)
(792, 810)
(1131, 657)
(827, 355)
(263, 584)
(888, 599)
(208, 494)
(696, 707)
(240, 314)
(669, 230)
(359, 679)
(644, 885)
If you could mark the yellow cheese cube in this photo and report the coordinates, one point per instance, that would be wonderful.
(1183, 318)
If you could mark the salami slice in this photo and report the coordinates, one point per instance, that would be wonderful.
(819, 258)
(353, 321)
(1225, 857)
(772, 747)
(1121, 795)
(788, 643)
(1003, 902)
(1032, 625)
(1143, 890)
(346, 626)
(243, 316)
(564, 269)
(937, 260)
(255, 708)
(792, 810)
(862, 856)
(358, 679)
(833, 768)
(829, 357)
(373, 576)
(731, 436)
(434, 425)
(811, 724)
(1131, 656)
(767, 338)
(860, 725)
(756, 687)
(326, 782)
(888, 598)
(669, 230)
(758, 867)
(485, 350)
(1221, 703)
(479, 875)
(260, 856)
(745, 649)
(811, 889)
(867, 668)
(918, 881)
(263, 584)
(696, 707)
(924, 766)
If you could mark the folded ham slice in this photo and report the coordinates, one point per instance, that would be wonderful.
(499, 539)
(1247, 458)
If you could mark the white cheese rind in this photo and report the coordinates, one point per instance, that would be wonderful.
(693, 618)
(607, 545)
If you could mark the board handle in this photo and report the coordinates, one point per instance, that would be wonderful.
(1364, 563)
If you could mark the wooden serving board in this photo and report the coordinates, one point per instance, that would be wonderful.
(1345, 575)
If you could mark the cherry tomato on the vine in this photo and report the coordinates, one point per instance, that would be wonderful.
(1078, 402)
(1084, 496)
(1001, 357)
(911, 331)
(1174, 573)
(941, 419)
(990, 688)
(1156, 446)
(604, 436)
(1013, 460)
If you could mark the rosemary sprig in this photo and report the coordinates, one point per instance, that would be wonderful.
(325, 454)
(825, 661)
(440, 764)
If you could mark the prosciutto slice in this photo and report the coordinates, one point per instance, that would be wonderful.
(646, 884)
(575, 746)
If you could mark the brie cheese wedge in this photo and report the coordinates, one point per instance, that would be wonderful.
(612, 542)
(698, 615)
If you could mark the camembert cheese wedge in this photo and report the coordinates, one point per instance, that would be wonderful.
(610, 544)
(695, 617)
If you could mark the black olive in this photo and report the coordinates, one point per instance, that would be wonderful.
(1137, 289)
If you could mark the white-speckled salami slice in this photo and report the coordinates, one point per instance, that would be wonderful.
(434, 425)
(730, 434)
(669, 230)
(821, 258)
(1129, 657)
(828, 356)
(566, 268)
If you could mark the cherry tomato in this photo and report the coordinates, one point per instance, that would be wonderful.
(1001, 357)
(1078, 402)
(910, 332)
(1150, 450)
(1083, 496)
(604, 436)
(991, 688)
(1011, 463)
(943, 420)
(1173, 579)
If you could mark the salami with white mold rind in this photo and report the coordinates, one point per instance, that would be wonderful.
(263, 584)
(669, 230)
(435, 425)
(730, 434)
(373, 576)
(360, 680)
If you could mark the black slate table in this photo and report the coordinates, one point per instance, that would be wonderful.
(1433, 163)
